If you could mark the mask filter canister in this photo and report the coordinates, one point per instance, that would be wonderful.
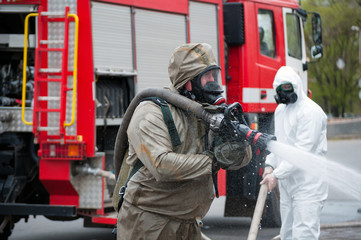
(285, 94)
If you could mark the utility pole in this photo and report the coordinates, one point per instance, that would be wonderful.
(357, 29)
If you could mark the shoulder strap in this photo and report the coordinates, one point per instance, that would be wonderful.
(171, 129)
(135, 169)
(168, 119)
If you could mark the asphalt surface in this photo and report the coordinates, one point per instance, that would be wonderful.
(340, 220)
(340, 217)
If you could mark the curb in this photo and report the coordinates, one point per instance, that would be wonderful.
(341, 225)
(332, 225)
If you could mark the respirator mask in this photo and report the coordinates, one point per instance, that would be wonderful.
(206, 87)
(285, 94)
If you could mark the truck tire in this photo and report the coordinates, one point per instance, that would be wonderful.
(9, 225)
(271, 217)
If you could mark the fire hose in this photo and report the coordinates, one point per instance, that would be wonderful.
(258, 210)
(230, 122)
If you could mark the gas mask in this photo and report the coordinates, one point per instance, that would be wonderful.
(285, 94)
(206, 87)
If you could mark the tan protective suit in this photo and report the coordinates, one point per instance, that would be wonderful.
(174, 187)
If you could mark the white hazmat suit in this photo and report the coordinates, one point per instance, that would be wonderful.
(302, 125)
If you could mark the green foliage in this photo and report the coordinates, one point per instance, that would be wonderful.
(335, 89)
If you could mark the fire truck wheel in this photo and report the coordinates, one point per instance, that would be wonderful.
(271, 217)
(9, 225)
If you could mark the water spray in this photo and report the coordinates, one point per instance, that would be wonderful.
(342, 178)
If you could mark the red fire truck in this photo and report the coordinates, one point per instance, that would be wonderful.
(69, 69)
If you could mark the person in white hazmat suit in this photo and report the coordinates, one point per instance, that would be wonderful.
(301, 123)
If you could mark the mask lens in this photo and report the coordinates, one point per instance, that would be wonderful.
(286, 87)
(211, 81)
(211, 76)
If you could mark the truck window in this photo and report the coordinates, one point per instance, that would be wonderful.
(293, 36)
(266, 33)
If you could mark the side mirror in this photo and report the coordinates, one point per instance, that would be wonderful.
(316, 28)
(317, 51)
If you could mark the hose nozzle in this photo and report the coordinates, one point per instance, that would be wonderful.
(256, 139)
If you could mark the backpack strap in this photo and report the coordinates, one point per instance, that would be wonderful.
(135, 169)
(168, 119)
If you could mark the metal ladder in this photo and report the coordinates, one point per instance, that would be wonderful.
(43, 75)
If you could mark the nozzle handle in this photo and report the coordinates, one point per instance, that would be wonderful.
(255, 138)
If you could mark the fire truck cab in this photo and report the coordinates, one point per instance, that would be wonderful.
(69, 70)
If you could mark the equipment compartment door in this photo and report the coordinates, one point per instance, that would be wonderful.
(112, 38)
(157, 34)
(203, 25)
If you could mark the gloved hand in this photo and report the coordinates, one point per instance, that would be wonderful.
(233, 155)
(267, 170)
(271, 181)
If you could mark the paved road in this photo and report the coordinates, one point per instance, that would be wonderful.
(338, 208)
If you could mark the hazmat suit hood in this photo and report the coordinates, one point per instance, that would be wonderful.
(287, 75)
(303, 125)
(188, 61)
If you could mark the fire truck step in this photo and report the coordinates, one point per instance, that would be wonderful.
(53, 14)
(51, 49)
(60, 41)
(50, 70)
(48, 98)
(48, 128)
(49, 80)
(46, 110)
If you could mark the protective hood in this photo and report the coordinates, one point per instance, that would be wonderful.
(189, 60)
(287, 75)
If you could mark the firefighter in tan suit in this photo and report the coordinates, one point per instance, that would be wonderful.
(165, 198)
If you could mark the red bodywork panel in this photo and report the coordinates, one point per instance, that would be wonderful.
(86, 100)
(249, 69)
(55, 175)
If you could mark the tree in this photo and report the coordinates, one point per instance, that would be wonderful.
(334, 88)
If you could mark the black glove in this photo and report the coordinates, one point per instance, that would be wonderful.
(233, 155)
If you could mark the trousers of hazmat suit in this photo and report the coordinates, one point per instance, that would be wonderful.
(166, 198)
(301, 125)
